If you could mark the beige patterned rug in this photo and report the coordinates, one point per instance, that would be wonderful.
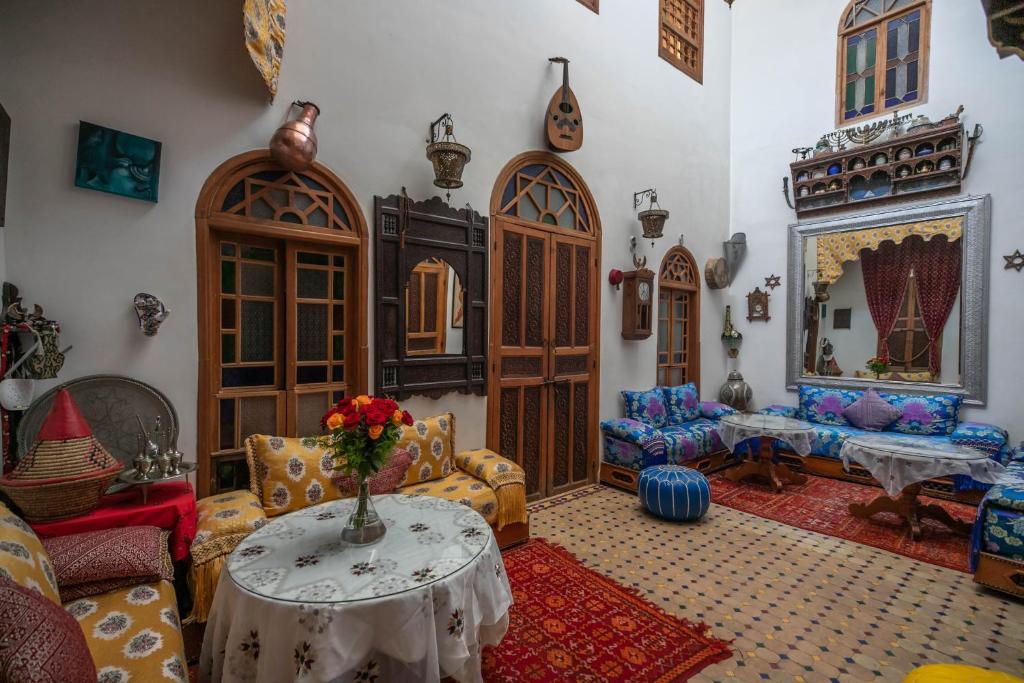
(798, 605)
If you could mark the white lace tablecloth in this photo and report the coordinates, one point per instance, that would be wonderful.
(295, 603)
(897, 463)
(737, 428)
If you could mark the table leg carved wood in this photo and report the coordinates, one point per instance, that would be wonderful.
(911, 510)
(764, 465)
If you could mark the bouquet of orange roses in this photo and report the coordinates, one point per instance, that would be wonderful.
(362, 433)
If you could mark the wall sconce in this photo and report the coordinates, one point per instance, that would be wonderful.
(652, 219)
(446, 154)
(821, 294)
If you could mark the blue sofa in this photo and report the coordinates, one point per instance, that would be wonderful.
(935, 416)
(997, 544)
(663, 425)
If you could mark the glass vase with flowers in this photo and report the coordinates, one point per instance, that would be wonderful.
(361, 435)
(877, 365)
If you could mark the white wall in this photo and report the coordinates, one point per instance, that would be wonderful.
(783, 96)
(380, 71)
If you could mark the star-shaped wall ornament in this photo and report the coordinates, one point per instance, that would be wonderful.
(772, 281)
(1015, 261)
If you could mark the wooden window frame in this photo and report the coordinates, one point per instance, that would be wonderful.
(213, 222)
(439, 269)
(592, 5)
(880, 62)
(694, 72)
(671, 283)
(909, 322)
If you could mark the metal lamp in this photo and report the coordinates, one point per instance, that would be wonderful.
(448, 156)
(652, 220)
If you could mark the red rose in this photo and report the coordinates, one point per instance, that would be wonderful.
(346, 408)
(390, 406)
(352, 421)
(407, 418)
(376, 417)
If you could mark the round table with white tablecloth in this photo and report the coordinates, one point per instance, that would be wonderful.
(739, 428)
(296, 603)
(900, 464)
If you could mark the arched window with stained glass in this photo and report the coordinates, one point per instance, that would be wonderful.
(543, 194)
(273, 194)
(882, 63)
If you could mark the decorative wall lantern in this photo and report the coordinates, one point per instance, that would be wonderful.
(821, 294)
(446, 154)
(294, 143)
(652, 219)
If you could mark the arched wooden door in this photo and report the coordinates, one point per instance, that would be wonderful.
(678, 319)
(544, 337)
(281, 262)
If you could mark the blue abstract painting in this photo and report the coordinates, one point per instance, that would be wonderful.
(119, 163)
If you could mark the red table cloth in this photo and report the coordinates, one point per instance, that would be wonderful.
(172, 505)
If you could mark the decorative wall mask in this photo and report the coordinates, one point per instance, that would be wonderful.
(294, 143)
(151, 312)
(563, 120)
(1014, 260)
(447, 155)
(264, 38)
(652, 220)
(115, 162)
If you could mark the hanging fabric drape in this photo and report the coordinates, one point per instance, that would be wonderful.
(264, 38)
(937, 275)
(886, 270)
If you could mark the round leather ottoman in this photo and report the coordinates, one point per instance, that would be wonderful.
(673, 492)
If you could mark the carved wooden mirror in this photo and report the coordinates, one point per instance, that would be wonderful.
(431, 298)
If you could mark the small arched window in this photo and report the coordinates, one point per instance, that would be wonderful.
(882, 63)
(678, 319)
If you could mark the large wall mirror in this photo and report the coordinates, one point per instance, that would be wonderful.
(431, 295)
(906, 285)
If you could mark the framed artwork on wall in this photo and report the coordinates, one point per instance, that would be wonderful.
(116, 162)
(841, 319)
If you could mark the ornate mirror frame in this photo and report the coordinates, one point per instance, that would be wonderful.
(406, 233)
(976, 211)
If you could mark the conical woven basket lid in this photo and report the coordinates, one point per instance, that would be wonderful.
(65, 449)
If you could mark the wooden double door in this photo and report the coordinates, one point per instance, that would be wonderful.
(543, 393)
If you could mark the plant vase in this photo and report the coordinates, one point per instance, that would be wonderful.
(364, 525)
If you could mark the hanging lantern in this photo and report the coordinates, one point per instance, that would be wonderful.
(294, 143)
(448, 157)
(652, 220)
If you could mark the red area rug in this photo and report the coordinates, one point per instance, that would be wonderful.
(570, 623)
(822, 505)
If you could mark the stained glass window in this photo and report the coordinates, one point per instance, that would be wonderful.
(543, 194)
(882, 57)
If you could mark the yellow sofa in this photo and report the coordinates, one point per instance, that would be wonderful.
(132, 633)
(287, 474)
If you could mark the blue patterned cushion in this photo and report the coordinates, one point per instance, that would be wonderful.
(925, 415)
(777, 409)
(683, 403)
(674, 493)
(628, 429)
(825, 406)
(985, 437)
(1004, 533)
(646, 406)
(713, 410)
(695, 439)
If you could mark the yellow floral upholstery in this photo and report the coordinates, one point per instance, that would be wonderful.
(222, 521)
(133, 634)
(23, 558)
(429, 442)
(288, 474)
(461, 488)
(506, 478)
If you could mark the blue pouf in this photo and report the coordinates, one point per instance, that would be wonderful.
(674, 493)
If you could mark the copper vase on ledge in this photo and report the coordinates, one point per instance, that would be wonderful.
(294, 143)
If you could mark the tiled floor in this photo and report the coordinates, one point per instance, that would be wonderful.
(800, 606)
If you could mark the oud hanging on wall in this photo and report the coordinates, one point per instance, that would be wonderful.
(563, 121)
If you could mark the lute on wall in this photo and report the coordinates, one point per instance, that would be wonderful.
(564, 123)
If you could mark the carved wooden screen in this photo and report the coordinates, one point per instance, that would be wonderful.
(544, 339)
(678, 319)
(282, 316)
(681, 36)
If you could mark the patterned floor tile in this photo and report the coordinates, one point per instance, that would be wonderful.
(799, 605)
